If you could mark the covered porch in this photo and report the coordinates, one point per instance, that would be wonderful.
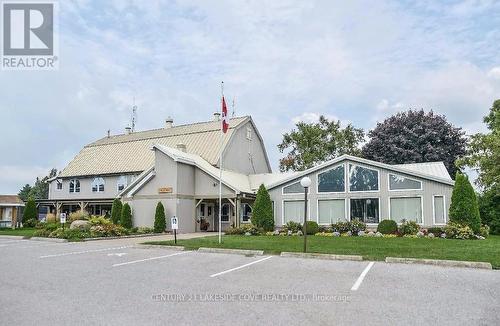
(56, 207)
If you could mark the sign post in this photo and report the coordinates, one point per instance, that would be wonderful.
(63, 219)
(175, 227)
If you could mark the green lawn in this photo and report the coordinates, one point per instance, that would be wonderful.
(27, 232)
(370, 248)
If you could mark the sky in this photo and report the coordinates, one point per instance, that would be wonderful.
(281, 61)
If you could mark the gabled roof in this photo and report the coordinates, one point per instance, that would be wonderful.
(430, 171)
(10, 200)
(130, 153)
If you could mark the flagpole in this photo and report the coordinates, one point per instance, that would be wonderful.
(220, 164)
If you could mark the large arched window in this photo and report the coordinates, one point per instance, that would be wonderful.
(74, 185)
(121, 183)
(362, 178)
(98, 184)
(332, 180)
(225, 213)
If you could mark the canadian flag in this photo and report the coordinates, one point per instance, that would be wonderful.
(225, 118)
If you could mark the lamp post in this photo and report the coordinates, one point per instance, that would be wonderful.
(305, 182)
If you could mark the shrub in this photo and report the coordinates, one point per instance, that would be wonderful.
(484, 231)
(234, 231)
(489, 208)
(387, 227)
(31, 223)
(160, 223)
(293, 226)
(116, 211)
(262, 210)
(69, 234)
(437, 231)
(458, 231)
(99, 220)
(409, 227)
(29, 213)
(78, 215)
(312, 227)
(353, 226)
(108, 230)
(144, 230)
(126, 219)
(464, 208)
(50, 218)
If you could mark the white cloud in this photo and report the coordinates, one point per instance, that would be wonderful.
(494, 73)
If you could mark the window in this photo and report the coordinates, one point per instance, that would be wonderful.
(225, 213)
(74, 185)
(294, 188)
(331, 211)
(362, 179)
(98, 185)
(398, 182)
(439, 210)
(365, 209)
(247, 212)
(59, 185)
(406, 208)
(293, 211)
(249, 133)
(121, 183)
(332, 180)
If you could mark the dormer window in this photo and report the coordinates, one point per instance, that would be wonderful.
(121, 183)
(98, 184)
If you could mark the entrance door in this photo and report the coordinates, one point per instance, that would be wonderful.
(206, 213)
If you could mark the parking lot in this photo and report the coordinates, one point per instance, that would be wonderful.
(115, 282)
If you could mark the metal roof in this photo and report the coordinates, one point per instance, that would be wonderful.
(437, 169)
(127, 153)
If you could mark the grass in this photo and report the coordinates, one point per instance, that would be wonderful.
(370, 248)
(26, 232)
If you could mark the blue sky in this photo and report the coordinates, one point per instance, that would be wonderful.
(283, 61)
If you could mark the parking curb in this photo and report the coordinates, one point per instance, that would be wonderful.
(48, 239)
(145, 246)
(320, 256)
(13, 237)
(232, 251)
(146, 235)
(438, 262)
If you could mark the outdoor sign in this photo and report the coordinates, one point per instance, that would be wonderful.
(63, 218)
(165, 190)
(174, 222)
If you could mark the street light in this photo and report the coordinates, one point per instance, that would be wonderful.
(305, 182)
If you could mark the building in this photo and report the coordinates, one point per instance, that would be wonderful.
(11, 209)
(178, 165)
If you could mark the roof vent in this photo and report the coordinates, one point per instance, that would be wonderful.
(128, 130)
(181, 147)
(169, 122)
(216, 116)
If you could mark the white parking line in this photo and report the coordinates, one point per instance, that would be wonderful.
(362, 277)
(152, 258)
(240, 267)
(84, 252)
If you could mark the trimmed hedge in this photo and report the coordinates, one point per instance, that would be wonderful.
(387, 227)
(464, 208)
(160, 222)
(312, 227)
(116, 211)
(126, 219)
(262, 210)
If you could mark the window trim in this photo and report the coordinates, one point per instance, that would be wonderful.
(59, 182)
(295, 199)
(408, 196)
(434, 210)
(243, 213)
(124, 184)
(366, 197)
(294, 193)
(74, 186)
(360, 191)
(326, 170)
(395, 190)
(346, 213)
(228, 213)
(98, 185)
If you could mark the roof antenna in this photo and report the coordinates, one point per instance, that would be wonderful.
(134, 116)
(233, 113)
(109, 133)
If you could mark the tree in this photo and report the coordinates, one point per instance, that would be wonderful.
(40, 189)
(464, 208)
(414, 137)
(262, 213)
(160, 222)
(126, 219)
(29, 211)
(316, 142)
(116, 211)
(24, 193)
(489, 209)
